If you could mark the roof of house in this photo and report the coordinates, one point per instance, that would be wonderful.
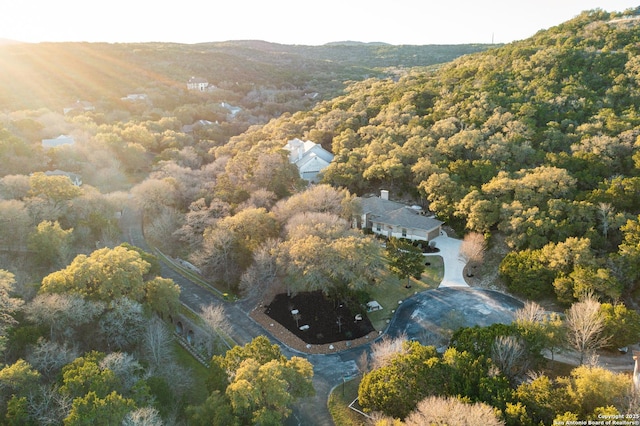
(74, 177)
(300, 152)
(60, 140)
(397, 214)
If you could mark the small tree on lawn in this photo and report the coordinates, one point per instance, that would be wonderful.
(405, 260)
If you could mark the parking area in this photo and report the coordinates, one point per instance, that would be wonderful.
(432, 314)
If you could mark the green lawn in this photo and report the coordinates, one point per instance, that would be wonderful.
(391, 289)
(339, 401)
(199, 374)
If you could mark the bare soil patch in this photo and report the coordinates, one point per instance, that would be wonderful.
(317, 320)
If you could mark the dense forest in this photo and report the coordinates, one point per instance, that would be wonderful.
(534, 146)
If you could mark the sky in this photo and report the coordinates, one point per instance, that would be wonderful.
(289, 21)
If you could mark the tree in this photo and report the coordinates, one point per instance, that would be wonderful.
(525, 273)
(589, 388)
(107, 274)
(383, 351)
(84, 375)
(215, 323)
(156, 344)
(154, 195)
(63, 313)
(49, 357)
(163, 296)
(90, 409)
(260, 383)
(585, 327)
(15, 224)
(405, 260)
(18, 378)
(58, 189)
(51, 244)
(510, 355)
(410, 376)
(451, 411)
(145, 416)
(263, 394)
(599, 281)
(223, 256)
(473, 248)
(541, 330)
(123, 324)
(8, 304)
(215, 411)
(621, 323)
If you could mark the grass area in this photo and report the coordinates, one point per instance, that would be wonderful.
(339, 401)
(199, 373)
(391, 290)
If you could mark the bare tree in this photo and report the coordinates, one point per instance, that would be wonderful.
(125, 366)
(8, 304)
(363, 363)
(383, 350)
(451, 411)
(62, 313)
(264, 269)
(123, 325)
(49, 357)
(605, 210)
(145, 416)
(156, 344)
(473, 248)
(585, 326)
(47, 406)
(531, 312)
(215, 322)
(510, 356)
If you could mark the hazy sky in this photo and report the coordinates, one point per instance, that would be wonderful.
(289, 21)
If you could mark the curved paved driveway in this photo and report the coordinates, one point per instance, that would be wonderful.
(453, 262)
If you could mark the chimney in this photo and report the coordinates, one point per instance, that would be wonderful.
(384, 194)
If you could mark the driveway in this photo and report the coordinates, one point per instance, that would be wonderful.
(453, 262)
(429, 315)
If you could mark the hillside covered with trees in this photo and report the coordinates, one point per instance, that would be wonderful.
(535, 142)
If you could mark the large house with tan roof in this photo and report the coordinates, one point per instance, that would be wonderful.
(389, 218)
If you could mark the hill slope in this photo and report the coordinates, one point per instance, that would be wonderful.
(536, 140)
(54, 74)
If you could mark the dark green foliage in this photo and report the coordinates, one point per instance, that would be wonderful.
(405, 259)
(163, 395)
(418, 371)
(478, 340)
(526, 275)
(152, 259)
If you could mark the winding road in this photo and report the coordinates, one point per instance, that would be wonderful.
(414, 317)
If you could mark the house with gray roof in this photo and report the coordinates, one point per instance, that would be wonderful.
(392, 219)
(310, 158)
(57, 142)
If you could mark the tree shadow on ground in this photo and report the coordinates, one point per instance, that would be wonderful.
(327, 321)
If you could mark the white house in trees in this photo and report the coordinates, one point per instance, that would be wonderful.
(57, 142)
(392, 219)
(197, 83)
(310, 158)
